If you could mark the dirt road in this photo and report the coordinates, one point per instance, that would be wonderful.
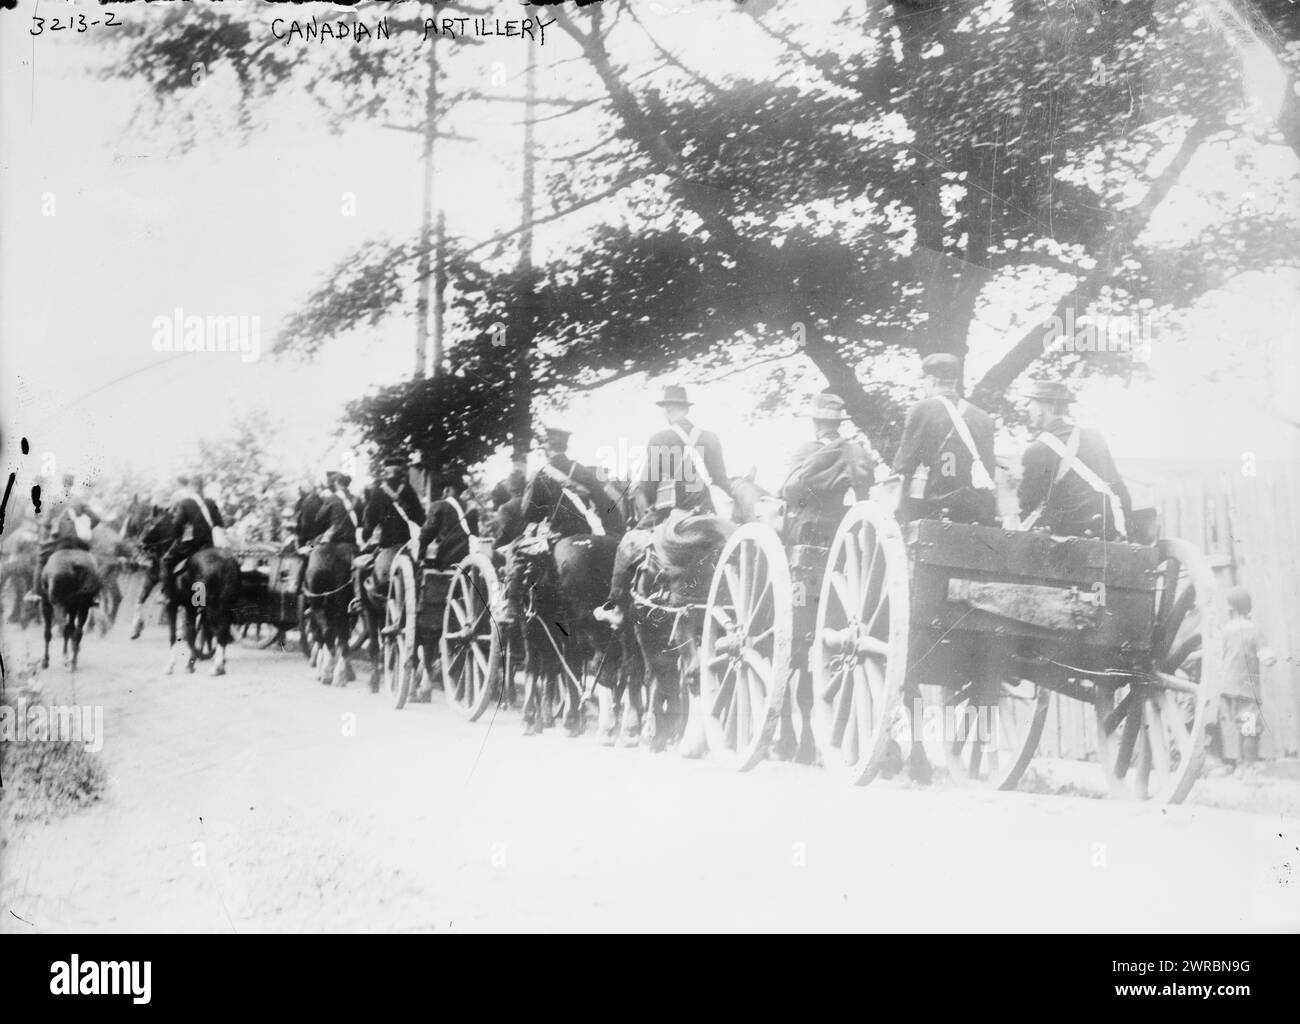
(262, 801)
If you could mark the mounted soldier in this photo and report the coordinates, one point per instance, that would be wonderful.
(195, 521)
(946, 455)
(822, 472)
(1070, 484)
(391, 518)
(684, 464)
(337, 520)
(450, 525)
(561, 499)
(67, 527)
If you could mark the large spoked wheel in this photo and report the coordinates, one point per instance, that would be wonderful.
(398, 652)
(470, 643)
(991, 730)
(859, 654)
(745, 657)
(1151, 733)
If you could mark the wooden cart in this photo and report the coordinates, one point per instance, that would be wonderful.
(444, 615)
(993, 620)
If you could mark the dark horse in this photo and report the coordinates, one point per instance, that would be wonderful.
(70, 582)
(663, 609)
(562, 640)
(207, 585)
(327, 587)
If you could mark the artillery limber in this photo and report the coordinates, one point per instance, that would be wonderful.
(442, 615)
(993, 620)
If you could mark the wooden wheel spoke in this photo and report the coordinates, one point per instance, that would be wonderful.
(841, 588)
(722, 699)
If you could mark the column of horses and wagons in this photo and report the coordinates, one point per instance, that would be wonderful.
(697, 611)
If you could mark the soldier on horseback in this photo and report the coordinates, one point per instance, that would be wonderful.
(946, 454)
(1070, 484)
(71, 519)
(338, 520)
(561, 498)
(451, 524)
(195, 520)
(391, 518)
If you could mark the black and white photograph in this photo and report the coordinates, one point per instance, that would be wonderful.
(651, 466)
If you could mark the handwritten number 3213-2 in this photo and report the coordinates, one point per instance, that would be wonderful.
(79, 23)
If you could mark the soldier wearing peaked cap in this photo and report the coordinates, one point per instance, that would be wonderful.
(566, 496)
(391, 517)
(1070, 484)
(946, 455)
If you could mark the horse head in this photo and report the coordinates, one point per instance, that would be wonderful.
(746, 494)
(159, 528)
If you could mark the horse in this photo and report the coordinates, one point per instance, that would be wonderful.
(662, 606)
(565, 583)
(327, 587)
(207, 584)
(69, 582)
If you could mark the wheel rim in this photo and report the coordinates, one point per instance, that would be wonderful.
(859, 655)
(1151, 731)
(991, 730)
(745, 653)
(469, 644)
(396, 655)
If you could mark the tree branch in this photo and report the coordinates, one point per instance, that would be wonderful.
(1026, 351)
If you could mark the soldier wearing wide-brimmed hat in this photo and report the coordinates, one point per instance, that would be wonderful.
(684, 462)
(946, 457)
(1070, 484)
(822, 472)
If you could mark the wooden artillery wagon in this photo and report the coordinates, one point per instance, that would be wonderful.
(447, 611)
(270, 591)
(993, 620)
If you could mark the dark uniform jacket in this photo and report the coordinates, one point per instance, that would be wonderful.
(666, 463)
(383, 522)
(443, 527)
(930, 440)
(335, 521)
(544, 500)
(821, 473)
(192, 527)
(1070, 506)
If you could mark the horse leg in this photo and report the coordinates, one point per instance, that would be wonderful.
(223, 636)
(532, 701)
(172, 645)
(372, 646)
(47, 611)
(137, 624)
(191, 637)
(78, 622)
(343, 673)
